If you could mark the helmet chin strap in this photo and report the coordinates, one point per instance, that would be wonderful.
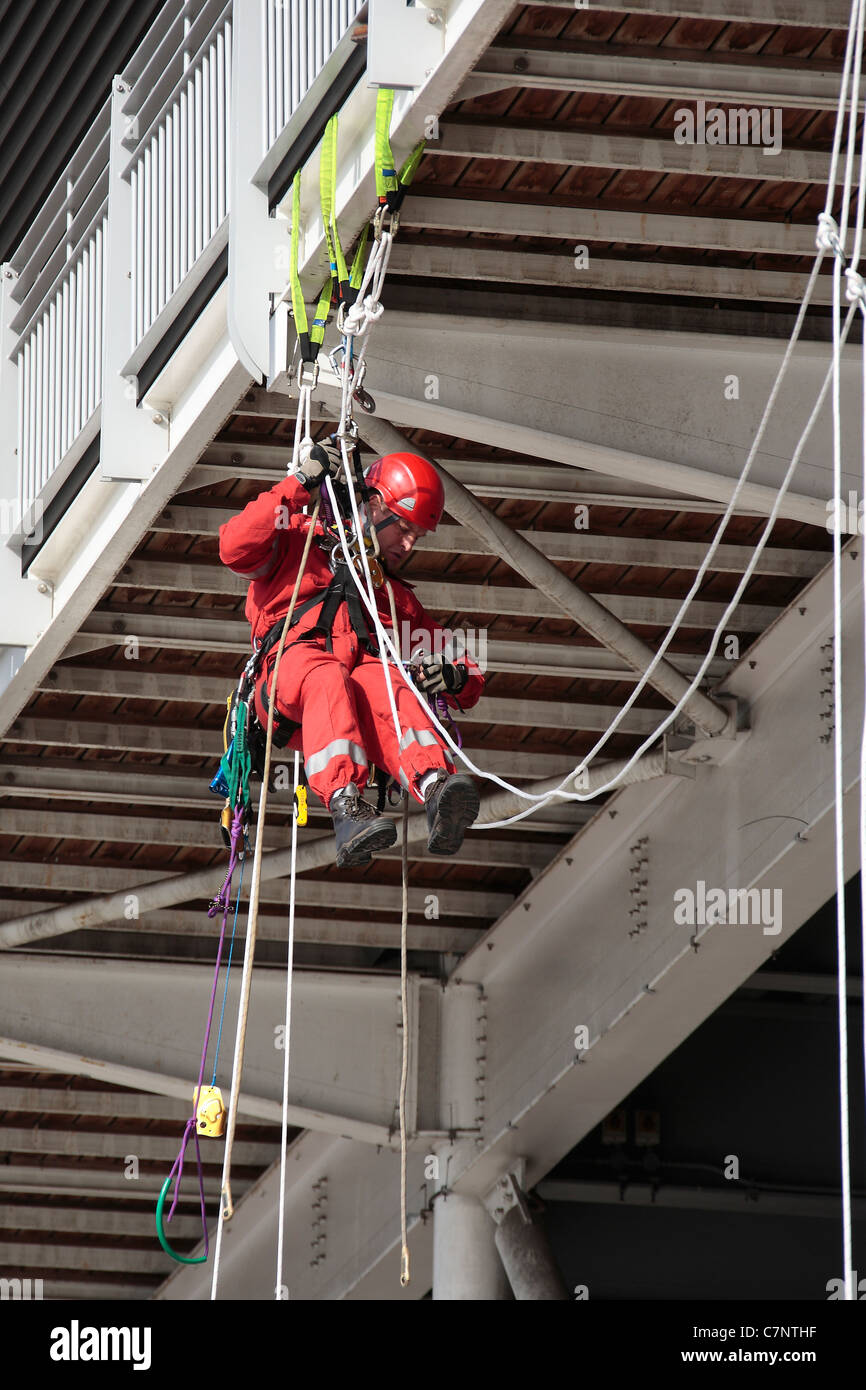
(388, 520)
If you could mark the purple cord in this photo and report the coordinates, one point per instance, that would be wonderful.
(222, 900)
(440, 705)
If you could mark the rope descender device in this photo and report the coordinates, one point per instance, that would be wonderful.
(210, 1113)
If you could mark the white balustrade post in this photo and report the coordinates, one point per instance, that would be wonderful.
(258, 243)
(26, 608)
(134, 439)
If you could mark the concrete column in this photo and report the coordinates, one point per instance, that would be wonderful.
(466, 1263)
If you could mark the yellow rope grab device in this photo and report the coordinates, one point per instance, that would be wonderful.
(342, 290)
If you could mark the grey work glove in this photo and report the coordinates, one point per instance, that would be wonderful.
(316, 462)
(436, 675)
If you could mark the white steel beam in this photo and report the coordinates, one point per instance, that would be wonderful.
(94, 1258)
(152, 894)
(80, 1181)
(472, 140)
(153, 738)
(90, 877)
(150, 830)
(835, 14)
(485, 477)
(674, 410)
(184, 577)
(538, 219)
(379, 934)
(657, 75)
(617, 276)
(154, 1080)
(46, 1100)
(531, 714)
(89, 1221)
(588, 547)
(227, 635)
(100, 1144)
(584, 546)
(114, 1073)
(89, 1289)
(346, 1047)
(86, 781)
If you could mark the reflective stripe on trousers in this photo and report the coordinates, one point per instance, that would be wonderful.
(425, 737)
(317, 762)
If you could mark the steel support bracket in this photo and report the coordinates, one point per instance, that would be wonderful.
(507, 1193)
(404, 43)
(690, 745)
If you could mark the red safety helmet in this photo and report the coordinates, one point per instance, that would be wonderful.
(410, 487)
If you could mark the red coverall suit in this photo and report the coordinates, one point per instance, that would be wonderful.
(339, 697)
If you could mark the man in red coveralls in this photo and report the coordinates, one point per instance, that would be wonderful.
(331, 681)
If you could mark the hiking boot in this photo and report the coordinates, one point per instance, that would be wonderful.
(452, 804)
(360, 832)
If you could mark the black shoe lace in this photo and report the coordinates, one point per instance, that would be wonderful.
(359, 810)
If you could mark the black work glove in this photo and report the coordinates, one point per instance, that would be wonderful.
(436, 675)
(317, 462)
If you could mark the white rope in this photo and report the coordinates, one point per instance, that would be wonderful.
(856, 293)
(840, 114)
(853, 1292)
(827, 239)
(226, 1206)
(858, 16)
(357, 322)
(287, 1037)
(385, 641)
(377, 263)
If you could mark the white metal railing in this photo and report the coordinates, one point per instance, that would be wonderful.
(153, 175)
(179, 172)
(300, 36)
(57, 327)
(60, 366)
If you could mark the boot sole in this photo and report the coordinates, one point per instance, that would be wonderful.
(458, 807)
(382, 834)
